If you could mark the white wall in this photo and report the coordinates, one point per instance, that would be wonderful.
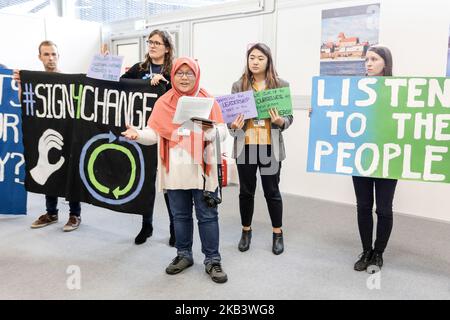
(211, 45)
(77, 41)
(20, 48)
(424, 22)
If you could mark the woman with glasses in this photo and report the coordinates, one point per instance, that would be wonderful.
(259, 144)
(187, 168)
(378, 63)
(156, 68)
(158, 60)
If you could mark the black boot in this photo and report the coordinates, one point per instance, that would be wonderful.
(246, 238)
(278, 245)
(146, 232)
(172, 236)
(363, 261)
(375, 263)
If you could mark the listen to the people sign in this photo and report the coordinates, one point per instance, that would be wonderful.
(387, 127)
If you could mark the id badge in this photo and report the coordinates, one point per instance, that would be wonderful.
(183, 132)
(259, 123)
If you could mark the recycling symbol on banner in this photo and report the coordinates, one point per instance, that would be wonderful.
(90, 155)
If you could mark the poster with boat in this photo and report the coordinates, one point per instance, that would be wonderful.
(347, 33)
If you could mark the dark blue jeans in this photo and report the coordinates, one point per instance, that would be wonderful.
(208, 224)
(52, 206)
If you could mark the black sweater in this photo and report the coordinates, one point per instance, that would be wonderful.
(135, 72)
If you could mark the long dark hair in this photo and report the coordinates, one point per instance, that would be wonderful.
(386, 54)
(168, 56)
(271, 74)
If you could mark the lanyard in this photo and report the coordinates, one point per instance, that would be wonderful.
(219, 164)
(150, 70)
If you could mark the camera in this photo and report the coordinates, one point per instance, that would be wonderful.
(211, 199)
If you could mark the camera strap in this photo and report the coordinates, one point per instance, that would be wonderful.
(219, 164)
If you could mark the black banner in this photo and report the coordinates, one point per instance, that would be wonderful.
(73, 147)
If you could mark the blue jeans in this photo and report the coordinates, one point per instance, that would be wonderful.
(52, 206)
(208, 224)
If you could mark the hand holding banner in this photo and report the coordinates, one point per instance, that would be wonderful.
(73, 147)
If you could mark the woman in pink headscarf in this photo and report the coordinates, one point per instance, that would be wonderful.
(182, 171)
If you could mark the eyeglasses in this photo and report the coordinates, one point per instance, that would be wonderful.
(154, 43)
(188, 74)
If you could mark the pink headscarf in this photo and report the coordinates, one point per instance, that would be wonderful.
(161, 119)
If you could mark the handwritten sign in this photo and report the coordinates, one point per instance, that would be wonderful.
(105, 67)
(384, 127)
(233, 105)
(279, 99)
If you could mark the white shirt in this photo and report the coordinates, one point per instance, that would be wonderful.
(183, 172)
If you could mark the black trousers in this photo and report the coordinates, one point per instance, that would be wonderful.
(147, 218)
(252, 158)
(384, 196)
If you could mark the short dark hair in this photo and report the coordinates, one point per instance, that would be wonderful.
(386, 54)
(47, 43)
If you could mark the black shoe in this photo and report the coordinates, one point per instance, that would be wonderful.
(363, 260)
(178, 264)
(246, 239)
(375, 263)
(216, 273)
(146, 232)
(277, 245)
(172, 236)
